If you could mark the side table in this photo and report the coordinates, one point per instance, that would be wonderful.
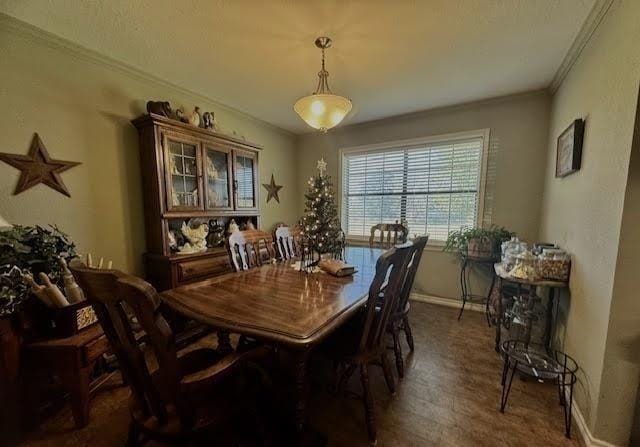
(467, 262)
(71, 359)
(531, 285)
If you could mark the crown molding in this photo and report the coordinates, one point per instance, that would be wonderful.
(32, 33)
(596, 16)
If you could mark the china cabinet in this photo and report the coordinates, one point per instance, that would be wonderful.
(193, 175)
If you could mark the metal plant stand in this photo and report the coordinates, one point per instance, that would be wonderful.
(466, 295)
(534, 361)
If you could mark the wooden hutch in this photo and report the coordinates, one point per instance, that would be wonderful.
(190, 173)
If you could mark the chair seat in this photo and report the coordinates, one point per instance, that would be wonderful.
(205, 373)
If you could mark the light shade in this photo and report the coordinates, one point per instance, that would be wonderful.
(322, 110)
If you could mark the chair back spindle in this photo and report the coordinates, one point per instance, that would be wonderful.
(412, 268)
(250, 248)
(389, 235)
(288, 246)
(389, 277)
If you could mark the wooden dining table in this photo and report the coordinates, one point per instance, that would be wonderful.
(281, 306)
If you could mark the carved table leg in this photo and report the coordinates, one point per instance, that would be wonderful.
(300, 375)
(224, 343)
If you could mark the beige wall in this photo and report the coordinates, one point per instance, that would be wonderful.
(517, 154)
(583, 213)
(81, 107)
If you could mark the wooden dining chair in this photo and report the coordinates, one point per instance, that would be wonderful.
(287, 242)
(386, 235)
(361, 342)
(250, 248)
(399, 320)
(185, 393)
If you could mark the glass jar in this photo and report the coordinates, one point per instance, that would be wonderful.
(511, 251)
(525, 267)
(554, 264)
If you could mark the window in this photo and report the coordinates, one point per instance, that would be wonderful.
(434, 185)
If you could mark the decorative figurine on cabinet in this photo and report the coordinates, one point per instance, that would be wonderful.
(194, 118)
(196, 237)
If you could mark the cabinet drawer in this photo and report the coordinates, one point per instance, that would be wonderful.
(196, 268)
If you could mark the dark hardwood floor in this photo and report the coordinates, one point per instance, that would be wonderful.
(450, 397)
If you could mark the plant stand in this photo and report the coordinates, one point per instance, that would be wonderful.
(467, 262)
(533, 360)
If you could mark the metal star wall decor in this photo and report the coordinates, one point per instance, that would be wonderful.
(38, 167)
(272, 190)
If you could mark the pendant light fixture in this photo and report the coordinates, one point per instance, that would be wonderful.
(323, 110)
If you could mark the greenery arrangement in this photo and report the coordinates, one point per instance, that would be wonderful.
(320, 222)
(25, 249)
(458, 241)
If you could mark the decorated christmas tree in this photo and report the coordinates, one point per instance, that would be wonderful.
(320, 222)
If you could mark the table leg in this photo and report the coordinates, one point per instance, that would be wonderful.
(76, 382)
(499, 316)
(486, 310)
(548, 330)
(224, 343)
(300, 377)
(463, 286)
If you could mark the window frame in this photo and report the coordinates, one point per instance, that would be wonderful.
(397, 144)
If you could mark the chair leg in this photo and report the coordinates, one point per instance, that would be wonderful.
(408, 333)
(368, 404)
(388, 375)
(133, 438)
(344, 378)
(398, 351)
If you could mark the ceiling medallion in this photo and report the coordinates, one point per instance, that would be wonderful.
(323, 110)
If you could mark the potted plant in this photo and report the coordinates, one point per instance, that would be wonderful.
(477, 242)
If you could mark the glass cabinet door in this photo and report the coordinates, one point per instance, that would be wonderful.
(183, 174)
(245, 178)
(217, 183)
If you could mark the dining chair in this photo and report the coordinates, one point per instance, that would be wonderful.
(186, 392)
(250, 248)
(390, 234)
(361, 342)
(399, 320)
(288, 243)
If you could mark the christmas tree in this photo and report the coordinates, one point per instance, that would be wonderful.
(320, 223)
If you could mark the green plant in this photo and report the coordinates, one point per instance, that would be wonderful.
(458, 240)
(25, 249)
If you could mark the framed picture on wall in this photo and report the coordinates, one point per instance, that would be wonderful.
(569, 149)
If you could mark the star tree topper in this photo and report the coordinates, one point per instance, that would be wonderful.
(322, 166)
(38, 167)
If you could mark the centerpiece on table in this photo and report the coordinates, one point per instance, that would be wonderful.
(323, 238)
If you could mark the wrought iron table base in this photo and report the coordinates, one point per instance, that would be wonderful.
(466, 295)
(525, 359)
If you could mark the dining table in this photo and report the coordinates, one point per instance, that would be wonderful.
(281, 306)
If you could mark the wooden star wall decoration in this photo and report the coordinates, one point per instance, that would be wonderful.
(38, 167)
(272, 190)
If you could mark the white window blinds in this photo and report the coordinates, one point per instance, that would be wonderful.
(432, 187)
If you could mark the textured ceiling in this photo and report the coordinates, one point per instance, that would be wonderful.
(389, 57)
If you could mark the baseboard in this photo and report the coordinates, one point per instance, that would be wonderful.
(587, 438)
(449, 302)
